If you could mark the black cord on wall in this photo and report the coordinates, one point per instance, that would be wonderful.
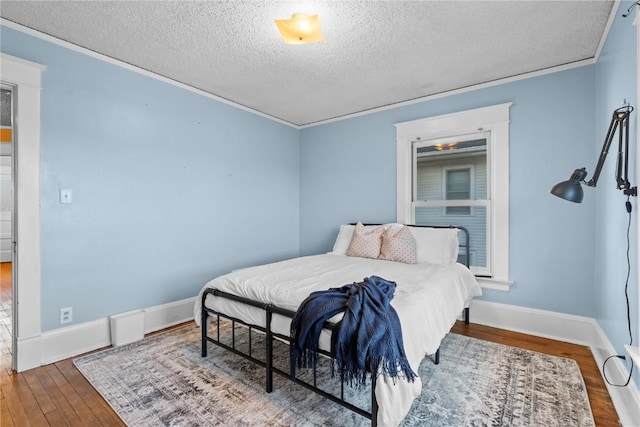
(626, 294)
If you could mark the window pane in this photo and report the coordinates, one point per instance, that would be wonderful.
(459, 184)
(452, 171)
(476, 224)
(458, 210)
(458, 187)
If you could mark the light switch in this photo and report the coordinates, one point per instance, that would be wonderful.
(66, 196)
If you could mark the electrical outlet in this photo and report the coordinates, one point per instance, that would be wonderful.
(66, 315)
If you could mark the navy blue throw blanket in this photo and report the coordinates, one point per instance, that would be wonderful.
(368, 336)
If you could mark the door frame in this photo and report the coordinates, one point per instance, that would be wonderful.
(26, 77)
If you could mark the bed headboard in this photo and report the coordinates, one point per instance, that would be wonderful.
(463, 243)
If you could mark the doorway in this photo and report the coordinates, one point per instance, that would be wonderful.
(7, 204)
(25, 78)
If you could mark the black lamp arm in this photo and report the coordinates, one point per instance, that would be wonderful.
(625, 184)
(615, 121)
(620, 118)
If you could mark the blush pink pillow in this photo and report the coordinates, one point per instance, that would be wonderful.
(400, 247)
(365, 243)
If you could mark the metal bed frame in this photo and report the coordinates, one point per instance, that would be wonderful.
(268, 364)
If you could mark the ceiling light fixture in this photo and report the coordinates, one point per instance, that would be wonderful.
(300, 29)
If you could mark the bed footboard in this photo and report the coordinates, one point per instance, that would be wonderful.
(270, 369)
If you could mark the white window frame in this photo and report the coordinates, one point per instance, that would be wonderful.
(494, 119)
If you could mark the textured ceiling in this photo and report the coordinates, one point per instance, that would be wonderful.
(375, 53)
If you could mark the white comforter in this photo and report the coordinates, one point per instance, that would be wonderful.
(428, 300)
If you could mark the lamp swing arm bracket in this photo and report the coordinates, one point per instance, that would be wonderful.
(620, 119)
(615, 122)
(625, 184)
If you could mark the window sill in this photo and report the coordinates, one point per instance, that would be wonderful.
(495, 284)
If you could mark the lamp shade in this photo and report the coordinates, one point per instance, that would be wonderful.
(300, 29)
(571, 189)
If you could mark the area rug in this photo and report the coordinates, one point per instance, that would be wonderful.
(162, 380)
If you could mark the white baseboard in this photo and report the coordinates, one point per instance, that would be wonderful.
(569, 328)
(625, 399)
(541, 323)
(71, 341)
(170, 314)
(29, 350)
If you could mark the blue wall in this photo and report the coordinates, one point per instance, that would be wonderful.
(616, 81)
(348, 173)
(170, 188)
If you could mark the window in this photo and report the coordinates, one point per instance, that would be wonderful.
(454, 169)
(450, 187)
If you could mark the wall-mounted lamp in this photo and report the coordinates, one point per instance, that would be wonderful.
(571, 189)
(300, 29)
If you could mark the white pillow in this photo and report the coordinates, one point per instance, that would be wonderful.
(343, 240)
(436, 245)
(395, 227)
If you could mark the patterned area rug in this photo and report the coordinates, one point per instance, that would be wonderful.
(162, 380)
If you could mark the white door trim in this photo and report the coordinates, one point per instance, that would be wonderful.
(25, 75)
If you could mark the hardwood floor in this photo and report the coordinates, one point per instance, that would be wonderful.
(5, 276)
(58, 395)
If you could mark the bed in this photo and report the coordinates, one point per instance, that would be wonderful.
(430, 296)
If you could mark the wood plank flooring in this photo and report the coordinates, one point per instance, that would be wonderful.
(58, 395)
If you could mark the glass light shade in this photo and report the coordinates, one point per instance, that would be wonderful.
(571, 189)
(300, 29)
